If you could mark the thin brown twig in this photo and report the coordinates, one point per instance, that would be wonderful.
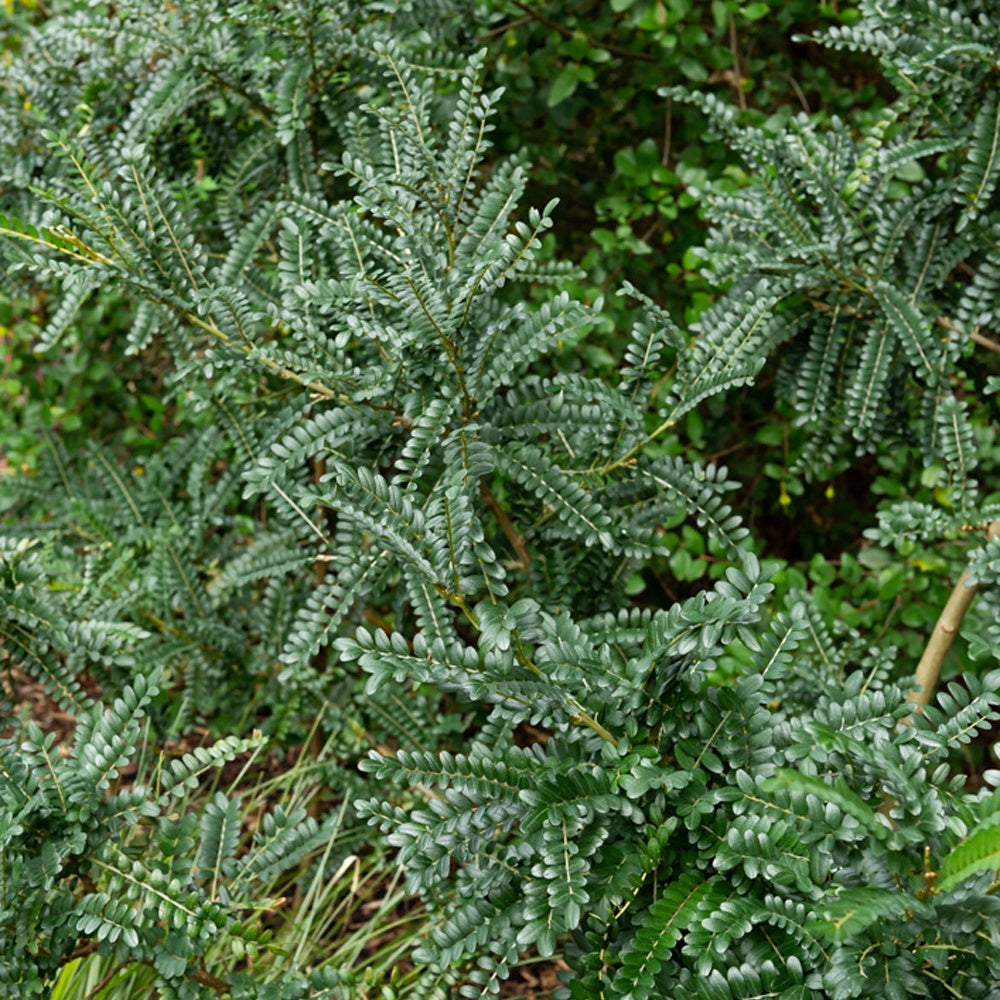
(506, 26)
(728, 450)
(96, 991)
(737, 69)
(978, 338)
(214, 983)
(513, 536)
(975, 336)
(896, 605)
(665, 587)
(318, 463)
(83, 949)
(200, 976)
(647, 233)
(668, 131)
(800, 94)
(945, 630)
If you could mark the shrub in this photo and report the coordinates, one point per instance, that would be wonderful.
(721, 798)
(582, 86)
(880, 245)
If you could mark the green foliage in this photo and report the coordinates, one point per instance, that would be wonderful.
(582, 95)
(88, 858)
(79, 393)
(392, 506)
(127, 857)
(722, 823)
(862, 235)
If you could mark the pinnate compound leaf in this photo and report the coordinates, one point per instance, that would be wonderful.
(912, 329)
(837, 793)
(661, 928)
(978, 853)
(982, 166)
(854, 910)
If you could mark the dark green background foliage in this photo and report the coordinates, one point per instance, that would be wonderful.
(323, 455)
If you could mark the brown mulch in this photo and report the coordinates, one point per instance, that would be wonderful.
(535, 980)
(30, 699)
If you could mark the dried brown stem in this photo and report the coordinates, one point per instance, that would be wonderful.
(97, 990)
(737, 69)
(502, 28)
(214, 983)
(668, 132)
(948, 624)
(515, 538)
(318, 472)
(978, 338)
